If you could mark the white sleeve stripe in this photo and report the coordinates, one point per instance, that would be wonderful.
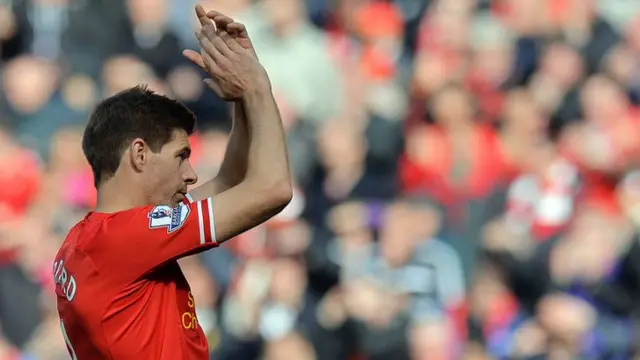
(200, 223)
(212, 225)
(189, 197)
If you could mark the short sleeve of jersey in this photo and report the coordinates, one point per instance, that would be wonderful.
(143, 238)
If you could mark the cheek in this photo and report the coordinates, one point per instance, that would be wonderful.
(158, 171)
(154, 181)
(161, 175)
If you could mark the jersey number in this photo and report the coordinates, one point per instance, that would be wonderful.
(66, 340)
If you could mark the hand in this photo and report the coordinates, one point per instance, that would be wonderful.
(237, 30)
(223, 23)
(233, 66)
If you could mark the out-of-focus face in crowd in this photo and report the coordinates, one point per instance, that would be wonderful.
(29, 83)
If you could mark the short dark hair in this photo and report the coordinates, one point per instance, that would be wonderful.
(132, 113)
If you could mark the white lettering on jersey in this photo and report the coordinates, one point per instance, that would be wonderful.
(65, 279)
(167, 217)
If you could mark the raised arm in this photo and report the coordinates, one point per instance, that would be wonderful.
(265, 188)
(234, 165)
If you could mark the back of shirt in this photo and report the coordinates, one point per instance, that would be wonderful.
(120, 291)
(79, 308)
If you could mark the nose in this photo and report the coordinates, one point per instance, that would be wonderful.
(190, 176)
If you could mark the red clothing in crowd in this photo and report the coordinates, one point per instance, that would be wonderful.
(435, 173)
(20, 180)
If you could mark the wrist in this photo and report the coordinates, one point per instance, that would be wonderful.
(258, 92)
(259, 86)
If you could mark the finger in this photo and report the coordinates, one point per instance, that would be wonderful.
(239, 29)
(213, 54)
(206, 43)
(219, 47)
(213, 13)
(211, 65)
(202, 16)
(222, 21)
(209, 31)
(195, 58)
(230, 42)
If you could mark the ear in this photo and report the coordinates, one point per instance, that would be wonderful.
(138, 153)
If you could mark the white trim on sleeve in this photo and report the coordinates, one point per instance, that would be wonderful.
(200, 222)
(212, 223)
(189, 198)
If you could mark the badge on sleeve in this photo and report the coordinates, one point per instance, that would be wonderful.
(167, 217)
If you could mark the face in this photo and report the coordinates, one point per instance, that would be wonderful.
(452, 107)
(397, 236)
(122, 72)
(164, 175)
(288, 282)
(29, 83)
(341, 146)
(522, 116)
(563, 63)
(147, 11)
(283, 12)
(602, 99)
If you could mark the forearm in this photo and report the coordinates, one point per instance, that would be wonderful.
(267, 161)
(266, 187)
(234, 165)
(256, 155)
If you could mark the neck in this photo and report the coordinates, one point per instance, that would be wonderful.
(112, 197)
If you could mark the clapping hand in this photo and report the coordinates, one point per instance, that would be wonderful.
(228, 56)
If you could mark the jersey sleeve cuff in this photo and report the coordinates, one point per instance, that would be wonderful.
(206, 221)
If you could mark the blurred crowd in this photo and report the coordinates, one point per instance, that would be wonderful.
(467, 173)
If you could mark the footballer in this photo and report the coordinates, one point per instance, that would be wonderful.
(120, 291)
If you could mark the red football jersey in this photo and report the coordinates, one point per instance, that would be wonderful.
(120, 291)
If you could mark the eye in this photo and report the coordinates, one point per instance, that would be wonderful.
(183, 155)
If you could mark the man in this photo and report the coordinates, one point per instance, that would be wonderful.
(120, 291)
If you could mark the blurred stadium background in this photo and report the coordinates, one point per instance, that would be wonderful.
(465, 169)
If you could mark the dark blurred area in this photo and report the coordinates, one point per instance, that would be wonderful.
(467, 173)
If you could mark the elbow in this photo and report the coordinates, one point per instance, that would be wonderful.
(281, 195)
(275, 196)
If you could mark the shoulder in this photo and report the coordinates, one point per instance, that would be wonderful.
(98, 229)
(164, 216)
(142, 220)
(151, 215)
(127, 219)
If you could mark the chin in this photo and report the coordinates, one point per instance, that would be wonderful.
(178, 198)
(171, 201)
